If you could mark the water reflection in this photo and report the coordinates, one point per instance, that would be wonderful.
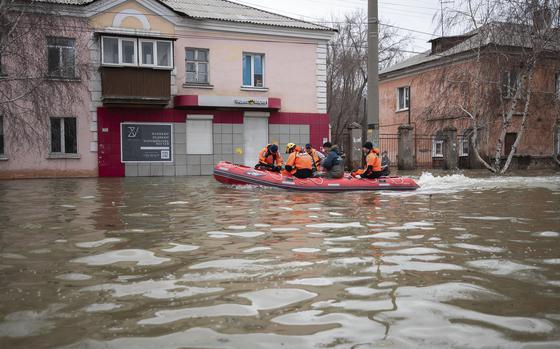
(176, 262)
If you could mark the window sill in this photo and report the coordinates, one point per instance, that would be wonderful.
(63, 156)
(401, 110)
(105, 65)
(437, 157)
(254, 89)
(3, 157)
(202, 86)
(57, 78)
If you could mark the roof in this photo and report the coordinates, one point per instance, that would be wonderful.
(498, 34)
(222, 10)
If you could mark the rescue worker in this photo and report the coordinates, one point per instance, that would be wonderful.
(373, 163)
(270, 159)
(317, 156)
(299, 164)
(333, 163)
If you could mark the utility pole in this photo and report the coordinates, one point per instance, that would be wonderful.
(373, 73)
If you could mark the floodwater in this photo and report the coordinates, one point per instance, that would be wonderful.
(189, 263)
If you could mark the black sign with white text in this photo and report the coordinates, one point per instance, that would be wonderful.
(146, 142)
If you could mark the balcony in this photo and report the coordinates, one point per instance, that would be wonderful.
(135, 86)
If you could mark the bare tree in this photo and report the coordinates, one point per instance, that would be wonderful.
(43, 68)
(509, 40)
(347, 68)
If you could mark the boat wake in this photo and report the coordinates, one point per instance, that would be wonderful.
(430, 184)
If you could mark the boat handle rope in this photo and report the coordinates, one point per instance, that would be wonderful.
(322, 181)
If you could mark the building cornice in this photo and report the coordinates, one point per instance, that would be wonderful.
(184, 22)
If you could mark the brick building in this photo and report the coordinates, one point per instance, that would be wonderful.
(425, 91)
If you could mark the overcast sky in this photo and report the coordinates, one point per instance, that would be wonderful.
(417, 15)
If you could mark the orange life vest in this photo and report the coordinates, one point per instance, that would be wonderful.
(265, 157)
(299, 161)
(316, 159)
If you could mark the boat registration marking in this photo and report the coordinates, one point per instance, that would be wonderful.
(384, 184)
(292, 183)
(333, 185)
(223, 169)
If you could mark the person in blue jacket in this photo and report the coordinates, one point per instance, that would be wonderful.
(333, 163)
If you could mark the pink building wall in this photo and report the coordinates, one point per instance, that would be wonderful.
(32, 158)
(290, 67)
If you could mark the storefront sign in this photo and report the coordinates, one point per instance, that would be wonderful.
(146, 142)
(241, 102)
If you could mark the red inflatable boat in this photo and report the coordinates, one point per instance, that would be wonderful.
(228, 173)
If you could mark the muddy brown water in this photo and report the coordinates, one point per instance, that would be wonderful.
(190, 263)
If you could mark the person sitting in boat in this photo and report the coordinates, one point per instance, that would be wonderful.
(317, 156)
(385, 164)
(270, 159)
(299, 164)
(373, 163)
(334, 162)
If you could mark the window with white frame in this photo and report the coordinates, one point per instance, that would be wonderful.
(403, 98)
(464, 145)
(119, 51)
(61, 57)
(122, 51)
(196, 61)
(199, 135)
(63, 136)
(510, 83)
(253, 70)
(437, 148)
(156, 53)
(2, 150)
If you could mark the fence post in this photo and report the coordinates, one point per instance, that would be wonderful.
(450, 156)
(405, 153)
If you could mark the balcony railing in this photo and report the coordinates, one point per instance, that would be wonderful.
(132, 85)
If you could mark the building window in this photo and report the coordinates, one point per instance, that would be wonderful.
(253, 70)
(403, 98)
(557, 85)
(196, 65)
(118, 51)
(510, 83)
(2, 151)
(437, 148)
(199, 135)
(558, 140)
(156, 53)
(124, 52)
(510, 139)
(61, 56)
(63, 136)
(464, 146)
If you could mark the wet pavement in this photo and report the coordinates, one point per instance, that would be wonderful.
(190, 263)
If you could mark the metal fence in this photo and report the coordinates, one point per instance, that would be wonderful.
(390, 143)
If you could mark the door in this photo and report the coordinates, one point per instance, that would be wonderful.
(255, 133)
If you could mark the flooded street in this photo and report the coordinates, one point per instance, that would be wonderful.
(190, 263)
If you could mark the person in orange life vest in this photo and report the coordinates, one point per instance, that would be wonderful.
(270, 159)
(373, 163)
(299, 164)
(315, 155)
